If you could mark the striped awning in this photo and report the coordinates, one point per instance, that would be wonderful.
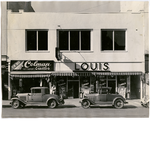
(30, 75)
(73, 74)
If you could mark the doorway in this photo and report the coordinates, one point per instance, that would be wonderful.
(135, 87)
(112, 84)
(73, 89)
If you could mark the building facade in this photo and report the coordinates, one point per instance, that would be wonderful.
(100, 44)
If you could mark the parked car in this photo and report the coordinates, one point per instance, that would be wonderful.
(104, 96)
(38, 95)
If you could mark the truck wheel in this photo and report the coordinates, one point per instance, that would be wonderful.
(118, 103)
(52, 104)
(16, 104)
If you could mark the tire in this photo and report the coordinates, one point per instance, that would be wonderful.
(52, 104)
(147, 104)
(118, 103)
(85, 104)
(16, 104)
(22, 105)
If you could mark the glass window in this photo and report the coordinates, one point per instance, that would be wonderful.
(85, 40)
(107, 43)
(31, 40)
(74, 40)
(37, 40)
(63, 40)
(36, 91)
(119, 39)
(113, 40)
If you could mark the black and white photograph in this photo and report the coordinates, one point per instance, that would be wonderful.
(75, 59)
(75, 68)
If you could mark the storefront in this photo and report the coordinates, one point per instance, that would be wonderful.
(26, 74)
(79, 79)
(4, 75)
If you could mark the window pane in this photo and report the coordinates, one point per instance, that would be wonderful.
(42, 40)
(31, 40)
(119, 40)
(63, 40)
(85, 40)
(107, 37)
(74, 40)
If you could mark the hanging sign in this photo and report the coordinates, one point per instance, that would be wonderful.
(32, 65)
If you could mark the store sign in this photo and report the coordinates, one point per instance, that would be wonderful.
(93, 66)
(32, 65)
(4, 65)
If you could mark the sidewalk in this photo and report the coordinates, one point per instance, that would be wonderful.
(75, 102)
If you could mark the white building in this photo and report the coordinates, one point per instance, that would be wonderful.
(102, 44)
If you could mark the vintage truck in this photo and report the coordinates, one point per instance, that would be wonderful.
(38, 95)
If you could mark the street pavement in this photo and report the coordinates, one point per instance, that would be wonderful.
(72, 109)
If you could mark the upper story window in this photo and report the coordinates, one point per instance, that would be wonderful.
(74, 40)
(36, 40)
(114, 40)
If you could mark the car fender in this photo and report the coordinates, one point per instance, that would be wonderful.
(51, 99)
(116, 99)
(91, 102)
(16, 98)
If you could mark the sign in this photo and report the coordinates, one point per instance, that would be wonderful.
(4, 65)
(93, 66)
(32, 65)
(58, 54)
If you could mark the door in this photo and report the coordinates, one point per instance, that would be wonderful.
(112, 84)
(36, 95)
(135, 87)
(73, 89)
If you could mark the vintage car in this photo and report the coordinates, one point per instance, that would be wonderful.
(103, 97)
(38, 95)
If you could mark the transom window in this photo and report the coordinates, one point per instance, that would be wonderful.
(74, 40)
(113, 40)
(37, 40)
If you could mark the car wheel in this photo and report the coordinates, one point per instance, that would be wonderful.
(52, 104)
(118, 103)
(22, 105)
(148, 105)
(16, 104)
(85, 104)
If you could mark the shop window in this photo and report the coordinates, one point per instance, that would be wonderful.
(36, 40)
(113, 40)
(71, 40)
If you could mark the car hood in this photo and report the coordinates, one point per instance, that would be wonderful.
(23, 94)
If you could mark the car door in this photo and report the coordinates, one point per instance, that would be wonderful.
(36, 95)
(102, 96)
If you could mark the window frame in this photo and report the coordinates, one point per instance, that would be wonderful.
(36, 50)
(69, 49)
(113, 38)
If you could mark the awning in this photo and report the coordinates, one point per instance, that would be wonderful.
(30, 75)
(73, 74)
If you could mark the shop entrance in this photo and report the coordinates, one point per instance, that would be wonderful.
(73, 89)
(135, 87)
(112, 84)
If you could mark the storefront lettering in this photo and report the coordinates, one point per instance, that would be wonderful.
(28, 64)
(92, 66)
(32, 65)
